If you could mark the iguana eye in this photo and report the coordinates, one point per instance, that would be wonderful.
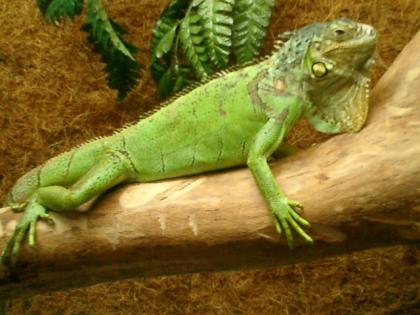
(319, 69)
(339, 31)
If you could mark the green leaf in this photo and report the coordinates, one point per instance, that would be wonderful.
(166, 84)
(250, 21)
(103, 32)
(118, 28)
(59, 9)
(166, 42)
(105, 35)
(43, 5)
(174, 80)
(217, 24)
(158, 70)
(123, 73)
(192, 45)
(183, 78)
(168, 20)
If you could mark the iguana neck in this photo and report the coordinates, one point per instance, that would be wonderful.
(287, 63)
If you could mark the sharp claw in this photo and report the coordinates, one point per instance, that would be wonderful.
(295, 204)
(288, 233)
(299, 219)
(3, 257)
(288, 221)
(305, 223)
(308, 238)
(17, 245)
(31, 239)
(5, 254)
(300, 231)
(278, 227)
(290, 243)
(47, 217)
(14, 255)
(18, 207)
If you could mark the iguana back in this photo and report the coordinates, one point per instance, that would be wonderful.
(209, 128)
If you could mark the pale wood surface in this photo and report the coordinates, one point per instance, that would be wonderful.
(359, 191)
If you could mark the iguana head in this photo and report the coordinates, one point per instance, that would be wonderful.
(336, 61)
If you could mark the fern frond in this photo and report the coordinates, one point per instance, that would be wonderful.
(43, 5)
(183, 77)
(123, 73)
(160, 61)
(217, 29)
(57, 10)
(165, 44)
(166, 83)
(167, 20)
(193, 44)
(105, 35)
(174, 80)
(206, 32)
(103, 32)
(167, 23)
(250, 21)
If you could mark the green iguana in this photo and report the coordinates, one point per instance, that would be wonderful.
(240, 117)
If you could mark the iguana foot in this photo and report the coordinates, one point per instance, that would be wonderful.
(17, 207)
(33, 212)
(285, 217)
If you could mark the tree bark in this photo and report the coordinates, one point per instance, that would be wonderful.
(359, 191)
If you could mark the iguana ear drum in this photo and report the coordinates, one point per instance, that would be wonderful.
(319, 69)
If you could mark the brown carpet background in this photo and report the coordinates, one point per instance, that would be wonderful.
(53, 96)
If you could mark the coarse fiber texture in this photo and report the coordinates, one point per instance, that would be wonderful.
(53, 96)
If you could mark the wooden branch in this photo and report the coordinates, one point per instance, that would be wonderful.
(359, 191)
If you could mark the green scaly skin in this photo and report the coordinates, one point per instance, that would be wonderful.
(237, 118)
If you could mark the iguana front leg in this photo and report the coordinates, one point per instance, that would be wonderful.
(265, 142)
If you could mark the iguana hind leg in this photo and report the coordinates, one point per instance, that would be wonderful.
(113, 169)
